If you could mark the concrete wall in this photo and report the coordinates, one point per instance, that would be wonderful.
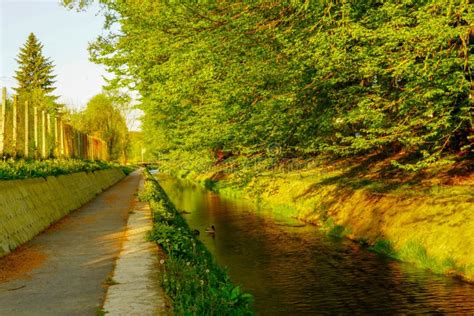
(29, 206)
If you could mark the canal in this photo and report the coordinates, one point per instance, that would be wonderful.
(294, 269)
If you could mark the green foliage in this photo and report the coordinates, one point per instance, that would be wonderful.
(210, 184)
(306, 78)
(137, 150)
(101, 312)
(338, 231)
(22, 169)
(128, 169)
(384, 247)
(191, 277)
(416, 253)
(102, 119)
(35, 76)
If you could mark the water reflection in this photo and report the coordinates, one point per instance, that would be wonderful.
(292, 269)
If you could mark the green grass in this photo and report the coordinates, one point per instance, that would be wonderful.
(338, 231)
(312, 193)
(416, 253)
(101, 312)
(190, 276)
(384, 247)
(22, 169)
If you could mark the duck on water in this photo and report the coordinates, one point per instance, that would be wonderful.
(210, 230)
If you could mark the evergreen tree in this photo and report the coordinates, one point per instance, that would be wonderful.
(35, 74)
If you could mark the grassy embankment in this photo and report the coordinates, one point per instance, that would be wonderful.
(23, 169)
(191, 277)
(424, 218)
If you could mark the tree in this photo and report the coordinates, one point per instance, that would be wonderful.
(35, 75)
(330, 78)
(103, 120)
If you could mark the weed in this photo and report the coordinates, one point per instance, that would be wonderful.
(415, 252)
(210, 184)
(101, 312)
(384, 247)
(337, 231)
(128, 169)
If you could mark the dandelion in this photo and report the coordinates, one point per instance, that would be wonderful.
(207, 270)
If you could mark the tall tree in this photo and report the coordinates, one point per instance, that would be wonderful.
(325, 77)
(35, 74)
(102, 119)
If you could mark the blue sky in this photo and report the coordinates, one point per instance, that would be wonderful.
(65, 35)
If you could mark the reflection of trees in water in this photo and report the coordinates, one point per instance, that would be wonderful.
(292, 268)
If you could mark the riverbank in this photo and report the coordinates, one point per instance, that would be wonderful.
(423, 220)
(192, 279)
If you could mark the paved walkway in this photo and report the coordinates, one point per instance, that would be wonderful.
(66, 269)
(137, 291)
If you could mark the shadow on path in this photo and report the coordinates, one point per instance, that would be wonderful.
(63, 270)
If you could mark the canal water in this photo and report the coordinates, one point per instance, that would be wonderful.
(293, 269)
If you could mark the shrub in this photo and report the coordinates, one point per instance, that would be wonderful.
(21, 169)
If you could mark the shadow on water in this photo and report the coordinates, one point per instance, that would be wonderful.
(293, 269)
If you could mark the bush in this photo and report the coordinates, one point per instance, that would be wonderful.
(22, 169)
(128, 169)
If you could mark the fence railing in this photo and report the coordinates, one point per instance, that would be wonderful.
(31, 132)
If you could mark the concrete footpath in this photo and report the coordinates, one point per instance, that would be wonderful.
(67, 269)
(136, 289)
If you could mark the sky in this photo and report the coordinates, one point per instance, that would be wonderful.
(65, 35)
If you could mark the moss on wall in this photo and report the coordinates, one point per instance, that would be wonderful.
(29, 206)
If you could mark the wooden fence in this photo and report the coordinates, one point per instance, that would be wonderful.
(30, 132)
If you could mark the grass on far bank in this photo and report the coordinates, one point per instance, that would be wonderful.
(422, 217)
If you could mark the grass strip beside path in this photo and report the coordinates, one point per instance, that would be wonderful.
(191, 277)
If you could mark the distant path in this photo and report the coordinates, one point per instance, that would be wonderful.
(64, 270)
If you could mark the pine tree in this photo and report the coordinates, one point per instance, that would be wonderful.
(35, 73)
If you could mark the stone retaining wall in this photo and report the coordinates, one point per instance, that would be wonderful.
(29, 206)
